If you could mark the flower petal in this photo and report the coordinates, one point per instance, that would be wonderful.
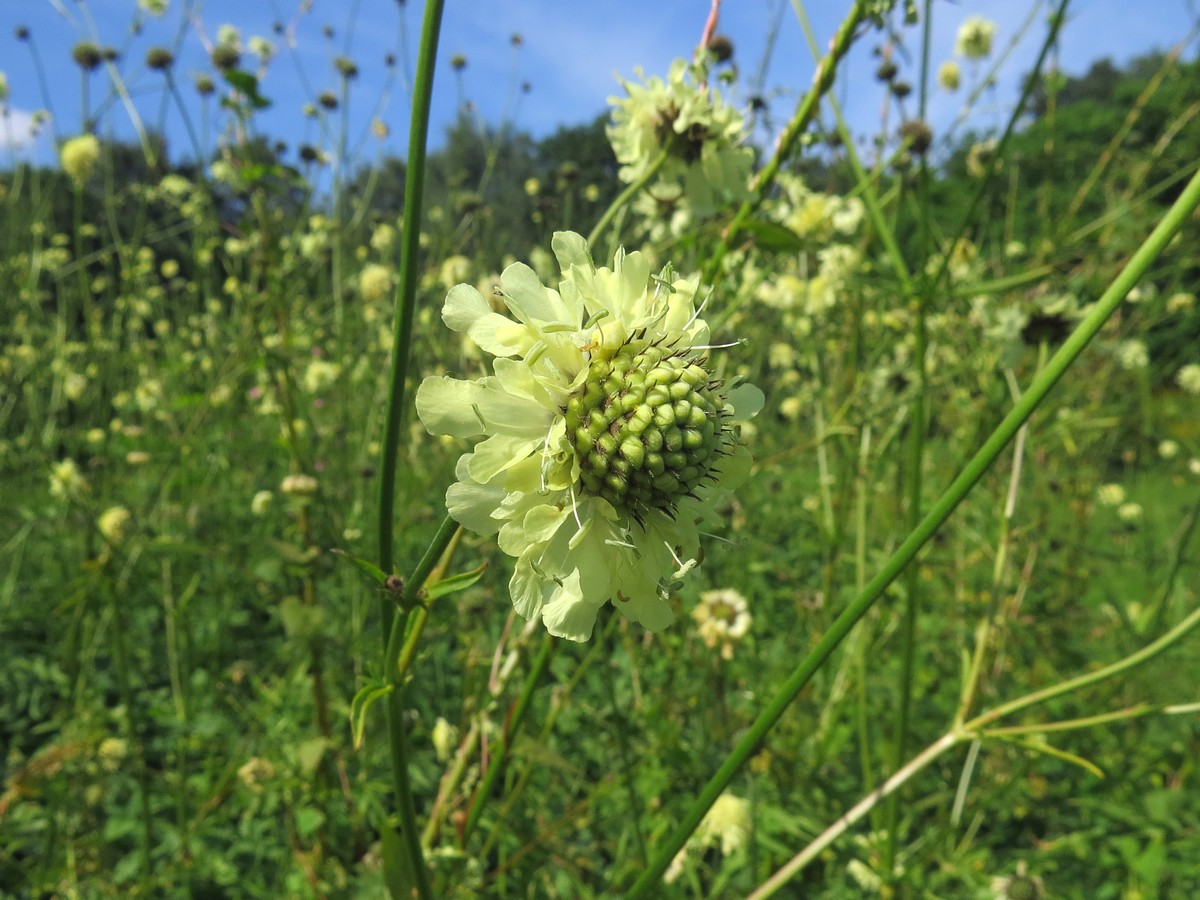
(528, 298)
(466, 408)
(498, 453)
(527, 587)
(571, 250)
(747, 402)
(468, 313)
(566, 614)
(471, 504)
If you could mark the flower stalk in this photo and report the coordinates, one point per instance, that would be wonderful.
(393, 622)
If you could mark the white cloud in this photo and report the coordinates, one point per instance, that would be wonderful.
(17, 129)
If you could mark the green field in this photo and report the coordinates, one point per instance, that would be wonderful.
(219, 438)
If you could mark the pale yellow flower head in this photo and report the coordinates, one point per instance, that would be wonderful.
(702, 135)
(375, 282)
(113, 523)
(723, 619)
(445, 738)
(1188, 378)
(975, 36)
(605, 437)
(298, 485)
(66, 481)
(948, 75)
(79, 156)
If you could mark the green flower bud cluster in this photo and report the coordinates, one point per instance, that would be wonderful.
(647, 426)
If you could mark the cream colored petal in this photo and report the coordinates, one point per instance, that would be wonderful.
(528, 298)
(566, 614)
(527, 588)
(747, 402)
(468, 313)
(466, 408)
(542, 522)
(653, 612)
(571, 250)
(497, 453)
(471, 504)
(633, 274)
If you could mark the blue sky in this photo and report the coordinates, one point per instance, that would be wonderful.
(570, 55)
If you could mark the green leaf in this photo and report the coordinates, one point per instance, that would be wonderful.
(308, 820)
(367, 694)
(301, 621)
(455, 583)
(310, 752)
(397, 868)
(371, 570)
(772, 236)
(247, 84)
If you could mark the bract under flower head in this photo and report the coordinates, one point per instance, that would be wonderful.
(606, 438)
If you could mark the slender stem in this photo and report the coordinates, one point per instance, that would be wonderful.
(392, 622)
(510, 728)
(1147, 653)
(854, 814)
(628, 194)
(1042, 384)
(1057, 19)
(805, 112)
(865, 183)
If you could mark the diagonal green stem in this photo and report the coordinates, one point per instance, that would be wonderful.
(1167, 228)
(805, 112)
(631, 191)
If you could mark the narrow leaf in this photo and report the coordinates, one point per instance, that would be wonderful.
(368, 694)
(455, 583)
(372, 571)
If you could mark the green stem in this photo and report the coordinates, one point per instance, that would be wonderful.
(1057, 19)
(860, 809)
(628, 194)
(1057, 690)
(915, 467)
(1166, 229)
(406, 290)
(483, 792)
(391, 622)
(865, 183)
(805, 112)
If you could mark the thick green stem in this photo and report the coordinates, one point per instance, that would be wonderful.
(1170, 225)
(406, 290)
